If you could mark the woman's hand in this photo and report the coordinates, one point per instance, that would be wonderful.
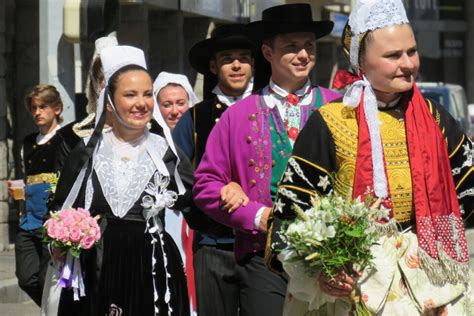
(339, 286)
(232, 197)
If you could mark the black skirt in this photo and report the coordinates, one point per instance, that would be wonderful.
(120, 278)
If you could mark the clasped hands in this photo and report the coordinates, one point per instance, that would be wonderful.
(232, 197)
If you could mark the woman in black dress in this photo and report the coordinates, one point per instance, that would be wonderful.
(129, 177)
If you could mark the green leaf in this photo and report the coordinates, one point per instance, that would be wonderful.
(354, 233)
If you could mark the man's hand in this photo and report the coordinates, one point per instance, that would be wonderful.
(263, 225)
(232, 197)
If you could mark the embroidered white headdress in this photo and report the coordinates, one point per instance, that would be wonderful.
(100, 44)
(103, 42)
(165, 78)
(369, 15)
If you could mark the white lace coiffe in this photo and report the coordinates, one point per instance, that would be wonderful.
(369, 15)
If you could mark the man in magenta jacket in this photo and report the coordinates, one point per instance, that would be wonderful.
(250, 146)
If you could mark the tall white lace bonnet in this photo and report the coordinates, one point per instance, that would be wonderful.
(369, 15)
(165, 78)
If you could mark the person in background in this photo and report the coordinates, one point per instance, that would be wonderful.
(251, 143)
(226, 61)
(174, 95)
(42, 158)
(385, 140)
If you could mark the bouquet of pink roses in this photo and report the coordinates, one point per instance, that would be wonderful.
(71, 230)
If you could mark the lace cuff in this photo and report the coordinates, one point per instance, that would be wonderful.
(301, 286)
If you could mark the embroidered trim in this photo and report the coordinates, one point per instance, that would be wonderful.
(468, 192)
(312, 165)
(290, 195)
(299, 171)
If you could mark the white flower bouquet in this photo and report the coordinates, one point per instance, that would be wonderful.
(335, 234)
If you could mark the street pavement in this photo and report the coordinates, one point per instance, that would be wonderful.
(13, 301)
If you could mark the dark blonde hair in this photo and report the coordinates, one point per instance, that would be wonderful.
(49, 95)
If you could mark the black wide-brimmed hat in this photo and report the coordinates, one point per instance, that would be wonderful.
(224, 37)
(287, 18)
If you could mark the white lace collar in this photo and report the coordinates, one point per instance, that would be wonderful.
(124, 169)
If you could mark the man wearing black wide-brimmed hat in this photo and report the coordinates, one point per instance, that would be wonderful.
(226, 61)
(252, 142)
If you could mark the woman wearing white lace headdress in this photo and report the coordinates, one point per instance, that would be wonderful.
(128, 177)
(384, 138)
(95, 83)
(174, 95)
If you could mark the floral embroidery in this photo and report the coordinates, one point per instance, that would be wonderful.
(411, 258)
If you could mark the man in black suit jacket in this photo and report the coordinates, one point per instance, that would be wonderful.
(226, 61)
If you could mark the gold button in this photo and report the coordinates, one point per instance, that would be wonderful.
(252, 117)
(216, 120)
(249, 139)
(218, 105)
(44, 160)
(29, 161)
(34, 146)
(251, 162)
(48, 143)
(253, 182)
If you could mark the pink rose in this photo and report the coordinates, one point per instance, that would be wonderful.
(76, 216)
(87, 242)
(67, 218)
(83, 225)
(62, 234)
(52, 228)
(94, 232)
(75, 234)
(83, 212)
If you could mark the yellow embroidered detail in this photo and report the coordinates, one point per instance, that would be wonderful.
(42, 178)
(344, 130)
(464, 178)
(457, 147)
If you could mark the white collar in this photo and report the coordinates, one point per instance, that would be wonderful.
(229, 100)
(283, 93)
(43, 139)
(271, 100)
(382, 105)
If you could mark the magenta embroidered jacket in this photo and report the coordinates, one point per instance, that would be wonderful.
(239, 149)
